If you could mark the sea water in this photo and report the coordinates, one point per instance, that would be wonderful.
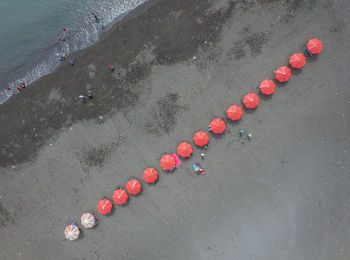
(30, 31)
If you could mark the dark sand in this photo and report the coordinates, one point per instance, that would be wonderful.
(284, 195)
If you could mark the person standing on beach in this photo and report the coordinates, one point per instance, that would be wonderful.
(83, 98)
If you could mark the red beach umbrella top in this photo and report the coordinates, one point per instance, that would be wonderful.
(234, 112)
(150, 175)
(251, 100)
(201, 138)
(133, 187)
(283, 74)
(167, 162)
(120, 196)
(314, 46)
(104, 206)
(218, 126)
(297, 60)
(184, 149)
(267, 87)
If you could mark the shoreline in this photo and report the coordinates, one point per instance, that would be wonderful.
(41, 88)
(41, 65)
(283, 193)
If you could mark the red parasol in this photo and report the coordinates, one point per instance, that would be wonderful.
(150, 175)
(201, 138)
(120, 196)
(184, 149)
(267, 87)
(297, 60)
(218, 126)
(283, 74)
(167, 162)
(314, 46)
(251, 100)
(234, 112)
(133, 187)
(104, 206)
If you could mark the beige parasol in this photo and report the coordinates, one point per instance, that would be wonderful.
(87, 220)
(72, 232)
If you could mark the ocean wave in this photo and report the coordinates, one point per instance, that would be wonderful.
(83, 32)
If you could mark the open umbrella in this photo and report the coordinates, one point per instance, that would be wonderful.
(251, 100)
(120, 196)
(217, 126)
(150, 175)
(167, 162)
(234, 112)
(104, 206)
(283, 74)
(133, 187)
(184, 149)
(201, 138)
(88, 220)
(267, 87)
(297, 60)
(71, 232)
(314, 46)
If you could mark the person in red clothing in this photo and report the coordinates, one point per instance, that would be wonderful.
(111, 67)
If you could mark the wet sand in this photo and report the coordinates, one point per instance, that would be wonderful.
(283, 195)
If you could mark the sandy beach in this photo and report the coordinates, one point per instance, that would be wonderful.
(178, 64)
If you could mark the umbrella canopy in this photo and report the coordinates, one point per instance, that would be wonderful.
(314, 46)
(297, 60)
(133, 187)
(167, 162)
(184, 149)
(87, 220)
(104, 206)
(201, 138)
(150, 175)
(251, 100)
(120, 196)
(234, 112)
(267, 87)
(218, 126)
(283, 74)
(71, 232)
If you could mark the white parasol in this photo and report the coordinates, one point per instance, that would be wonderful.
(72, 232)
(88, 220)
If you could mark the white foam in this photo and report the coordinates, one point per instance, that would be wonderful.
(86, 32)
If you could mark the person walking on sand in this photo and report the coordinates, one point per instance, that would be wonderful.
(90, 96)
(111, 67)
(23, 85)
